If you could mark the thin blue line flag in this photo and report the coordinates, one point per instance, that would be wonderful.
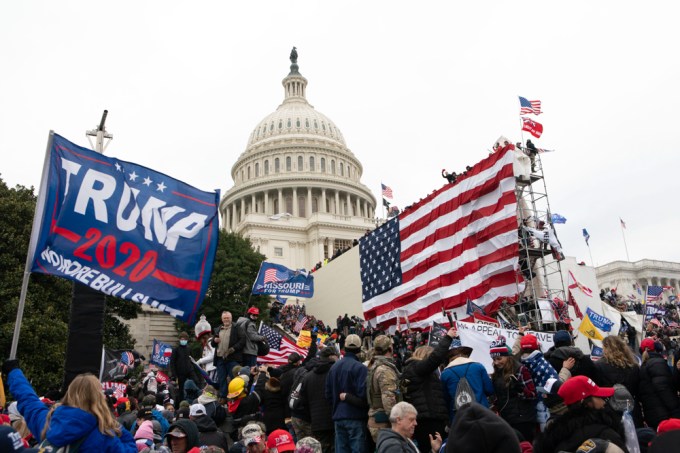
(126, 230)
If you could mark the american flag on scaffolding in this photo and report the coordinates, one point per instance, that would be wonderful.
(302, 320)
(458, 243)
(279, 347)
(654, 293)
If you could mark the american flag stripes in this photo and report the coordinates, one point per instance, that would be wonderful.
(573, 284)
(386, 191)
(527, 107)
(654, 293)
(279, 347)
(274, 276)
(459, 243)
(302, 320)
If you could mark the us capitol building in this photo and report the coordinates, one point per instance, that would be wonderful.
(297, 191)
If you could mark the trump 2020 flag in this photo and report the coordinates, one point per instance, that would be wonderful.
(278, 279)
(533, 127)
(126, 230)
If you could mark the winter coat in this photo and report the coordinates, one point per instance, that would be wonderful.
(608, 375)
(288, 376)
(273, 404)
(348, 375)
(237, 340)
(477, 377)
(180, 362)
(190, 429)
(208, 434)
(313, 385)
(423, 387)
(516, 402)
(127, 419)
(68, 424)
(583, 367)
(391, 442)
(570, 430)
(657, 394)
(248, 327)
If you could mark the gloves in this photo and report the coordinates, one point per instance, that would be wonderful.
(9, 365)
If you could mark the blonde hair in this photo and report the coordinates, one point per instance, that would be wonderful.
(617, 352)
(21, 427)
(85, 392)
(422, 352)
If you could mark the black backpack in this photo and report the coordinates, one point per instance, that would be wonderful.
(296, 389)
(47, 447)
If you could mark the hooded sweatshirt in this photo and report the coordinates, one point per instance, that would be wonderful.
(68, 425)
(190, 429)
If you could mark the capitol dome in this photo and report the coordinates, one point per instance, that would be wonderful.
(297, 192)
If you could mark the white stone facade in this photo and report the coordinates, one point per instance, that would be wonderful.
(623, 274)
(297, 191)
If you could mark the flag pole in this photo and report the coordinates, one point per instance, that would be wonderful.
(623, 233)
(35, 232)
(592, 263)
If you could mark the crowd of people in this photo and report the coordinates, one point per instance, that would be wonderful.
(364, 390)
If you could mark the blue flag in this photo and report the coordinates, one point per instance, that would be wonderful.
(556, 218)
(586, 236)
(161, 353)
(601, 322)
(126, 230)
(278, 279)
(281, 300)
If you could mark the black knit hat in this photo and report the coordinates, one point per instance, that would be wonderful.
(478, 430)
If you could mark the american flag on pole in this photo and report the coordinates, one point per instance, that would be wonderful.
(302, 320)
(654, 293)
(458, 243)
(279, 347)
(386, 191)
(275, 276)
(529, 107)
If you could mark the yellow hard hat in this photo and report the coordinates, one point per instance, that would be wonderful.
(236, 387)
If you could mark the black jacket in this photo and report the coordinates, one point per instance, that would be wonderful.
(512, 407)
(273, 404)
(208, 434)
(237, 340)
(423, 387)
(583, 367)
(608, 375)
(391, 442)
(288, 377)
(658, 395)
(313, 387)
(180, 362)
(570, 430)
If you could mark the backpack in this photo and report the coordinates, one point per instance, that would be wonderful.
(296, 389)
(262, 348)
(464, 393)
(47, 447)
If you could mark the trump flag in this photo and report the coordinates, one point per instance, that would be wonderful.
(278, 279)
(125, 230)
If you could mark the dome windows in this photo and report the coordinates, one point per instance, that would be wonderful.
(316, 125)
(307, 123)
(311, 163)
(266, 167)
(257, 169)
(300, 163)
(277, 165)
(288, 123)
(323, 126)
(323, 165)
(297, 123)
(280, 124)
(271, 127)
(342, 171)
(289, 163)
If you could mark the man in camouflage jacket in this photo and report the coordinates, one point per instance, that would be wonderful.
(382, 388)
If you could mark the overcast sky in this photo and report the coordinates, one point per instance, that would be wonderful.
(414, 87)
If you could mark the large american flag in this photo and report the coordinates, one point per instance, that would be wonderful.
(459, 243)
(274, 276)
(654, 293)
(526, 106)
(279, 347)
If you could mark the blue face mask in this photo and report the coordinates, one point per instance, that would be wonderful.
(183, 342)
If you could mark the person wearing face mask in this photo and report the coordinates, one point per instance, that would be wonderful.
(181, 367)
